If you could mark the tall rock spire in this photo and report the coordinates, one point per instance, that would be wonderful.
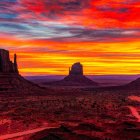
(15, 63)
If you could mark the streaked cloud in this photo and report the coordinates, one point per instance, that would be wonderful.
(47, 34)
(62, 32)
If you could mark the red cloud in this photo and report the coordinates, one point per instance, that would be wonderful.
(91, 13)
(99, 13)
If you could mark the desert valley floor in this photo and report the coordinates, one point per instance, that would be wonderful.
(76, 113)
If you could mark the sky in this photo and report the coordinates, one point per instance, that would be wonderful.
(50, 35)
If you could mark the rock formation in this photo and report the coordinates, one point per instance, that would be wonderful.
(10, 79)
(15, 64)
(7, 66)
(76, 69)
(75, 78)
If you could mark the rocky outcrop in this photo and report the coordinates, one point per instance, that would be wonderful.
(7, 66)
(76, 77)
(76, 69)
(15, 64)
(10, 79)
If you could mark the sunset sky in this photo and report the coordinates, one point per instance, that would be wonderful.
(50, 35)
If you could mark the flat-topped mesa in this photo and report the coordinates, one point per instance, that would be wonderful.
(6, 65)
(76, 69)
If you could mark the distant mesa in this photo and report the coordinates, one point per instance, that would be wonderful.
(75, 78)
(10, 79)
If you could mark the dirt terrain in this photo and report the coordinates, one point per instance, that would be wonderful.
(75, 113)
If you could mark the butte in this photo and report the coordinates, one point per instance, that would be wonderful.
(76, 77)
(10, 79)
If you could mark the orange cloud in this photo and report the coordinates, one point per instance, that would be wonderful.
(97, 58)
(48, 36)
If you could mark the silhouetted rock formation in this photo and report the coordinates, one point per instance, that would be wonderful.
(10, 79)
(75, 78)
(15, 64)
(7, 66)
(76, 69)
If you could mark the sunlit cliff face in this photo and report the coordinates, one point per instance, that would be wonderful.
(50, 35)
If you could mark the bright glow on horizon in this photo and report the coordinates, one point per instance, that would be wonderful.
(49, 36)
